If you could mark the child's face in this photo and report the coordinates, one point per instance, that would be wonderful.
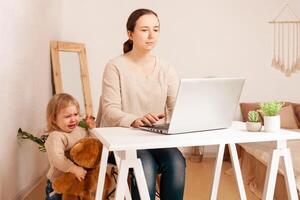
(68, 118)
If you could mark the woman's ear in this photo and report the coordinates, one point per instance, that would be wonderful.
(129, 33)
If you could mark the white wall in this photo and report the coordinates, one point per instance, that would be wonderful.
(201, 38)
(26, 29)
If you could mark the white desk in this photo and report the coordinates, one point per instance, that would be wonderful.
(125, 141)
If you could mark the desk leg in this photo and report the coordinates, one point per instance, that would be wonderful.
(122, 180)
(118, 161)
(102, 171)
(289, 175)
(271, 175)
(217, 174)
(141, 180)
(128, 159)
(272, 172)
(237, 170)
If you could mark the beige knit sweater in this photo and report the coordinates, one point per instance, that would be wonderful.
(57, 146)
(127, 94)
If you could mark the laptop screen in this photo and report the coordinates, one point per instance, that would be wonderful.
(205, 104)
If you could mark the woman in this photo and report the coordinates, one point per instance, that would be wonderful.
(140, 89)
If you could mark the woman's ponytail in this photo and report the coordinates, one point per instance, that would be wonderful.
(127, 46)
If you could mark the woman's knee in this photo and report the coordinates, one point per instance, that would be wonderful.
(150, 168)
(148, 162)
(173, 159)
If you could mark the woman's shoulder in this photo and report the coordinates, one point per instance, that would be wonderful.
(117, 61)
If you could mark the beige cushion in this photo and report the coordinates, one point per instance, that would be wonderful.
(297, 112)
(287, 118)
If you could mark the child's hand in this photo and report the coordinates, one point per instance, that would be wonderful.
(79, 172)
(90, 121)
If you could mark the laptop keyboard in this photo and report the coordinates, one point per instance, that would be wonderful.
(158, 128)
(161, 126)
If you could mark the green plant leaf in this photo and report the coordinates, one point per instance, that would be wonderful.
(271, 108)
(253, 116)
(28, 136)
(41, 140)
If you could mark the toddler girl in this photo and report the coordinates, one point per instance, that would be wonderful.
(64, 132)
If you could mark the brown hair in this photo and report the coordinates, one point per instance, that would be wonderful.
(55, 105)
(131, 22)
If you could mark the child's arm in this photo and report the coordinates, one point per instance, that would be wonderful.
(79, 172)
(55, 146)
(90, 121)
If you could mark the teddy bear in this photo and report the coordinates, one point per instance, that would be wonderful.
(85, 153)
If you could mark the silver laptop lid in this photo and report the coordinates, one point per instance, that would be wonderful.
(205, 104)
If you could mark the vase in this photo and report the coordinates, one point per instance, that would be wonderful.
(271, 123)
(253, 126)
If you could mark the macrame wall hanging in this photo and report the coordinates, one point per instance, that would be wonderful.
(286, 52)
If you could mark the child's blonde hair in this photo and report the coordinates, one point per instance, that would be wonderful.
(55, 105)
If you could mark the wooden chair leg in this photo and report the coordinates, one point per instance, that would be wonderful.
(197, 154)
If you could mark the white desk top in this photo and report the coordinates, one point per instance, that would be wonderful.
(118, 138)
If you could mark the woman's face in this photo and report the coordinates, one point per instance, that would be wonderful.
(145, 34)
(67, 119)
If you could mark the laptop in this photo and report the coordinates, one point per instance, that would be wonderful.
(202, 104)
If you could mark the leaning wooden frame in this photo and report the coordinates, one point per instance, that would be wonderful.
(58, 46)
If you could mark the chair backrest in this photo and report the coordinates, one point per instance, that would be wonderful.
(99, 114)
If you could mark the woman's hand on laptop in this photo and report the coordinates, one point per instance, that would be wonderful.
(147, 119)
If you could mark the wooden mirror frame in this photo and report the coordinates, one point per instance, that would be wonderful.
(56, 47)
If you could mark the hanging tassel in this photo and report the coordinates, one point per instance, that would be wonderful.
(274, 61)
(298, 47)
(287, 67)
(294, 42)
(282, 65)
(286, 42)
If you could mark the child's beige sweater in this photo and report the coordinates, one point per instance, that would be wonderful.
(57, 146)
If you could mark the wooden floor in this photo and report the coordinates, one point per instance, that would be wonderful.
(198, 183)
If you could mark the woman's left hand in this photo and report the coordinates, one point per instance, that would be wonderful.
(147, 119)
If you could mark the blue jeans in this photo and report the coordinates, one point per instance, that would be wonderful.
(170, 164)
(49, 190)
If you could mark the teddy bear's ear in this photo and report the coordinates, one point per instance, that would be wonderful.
(78, 147)
(87, 152)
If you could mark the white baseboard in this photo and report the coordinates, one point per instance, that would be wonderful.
(24, 192)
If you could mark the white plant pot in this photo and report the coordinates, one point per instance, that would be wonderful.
(253, 126)
(271, 123)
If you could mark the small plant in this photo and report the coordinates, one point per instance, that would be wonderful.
(271, 108)
(41, 140)
(253, 116)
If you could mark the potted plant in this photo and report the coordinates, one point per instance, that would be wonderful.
(270, 111)
(253, 124)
